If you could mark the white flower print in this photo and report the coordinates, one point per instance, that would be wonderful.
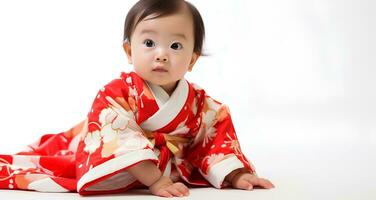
(25, 162)
(92, 141)
(107, 133)
(209, 118)
(215, 158)
(207, 131)
(112, 123)
(210, 134)
(103, 116)
(120, 123)
(234, 144)
(130, 140)
(204, 135)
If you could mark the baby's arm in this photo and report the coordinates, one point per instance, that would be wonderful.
(148, 174)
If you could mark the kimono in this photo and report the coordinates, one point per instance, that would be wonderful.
(188, 135)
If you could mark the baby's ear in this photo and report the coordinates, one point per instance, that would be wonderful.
(128, 51)
(194, 58)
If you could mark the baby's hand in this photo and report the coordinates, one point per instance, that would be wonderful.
(246, 181)
(164, 187)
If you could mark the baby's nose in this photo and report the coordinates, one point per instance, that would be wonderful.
(162, 59)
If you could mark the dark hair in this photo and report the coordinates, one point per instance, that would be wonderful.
(144, 8)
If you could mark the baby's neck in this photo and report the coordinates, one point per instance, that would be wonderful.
(170, 88)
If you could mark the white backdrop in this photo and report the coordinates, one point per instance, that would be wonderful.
(298, 76)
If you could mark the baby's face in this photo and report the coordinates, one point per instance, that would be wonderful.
(161, 49)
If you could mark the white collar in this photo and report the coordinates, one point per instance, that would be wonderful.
(160, 95)
(170, 108)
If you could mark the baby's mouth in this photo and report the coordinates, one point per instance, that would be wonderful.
(159, 69)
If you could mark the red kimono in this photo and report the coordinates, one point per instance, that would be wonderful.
(188, 135)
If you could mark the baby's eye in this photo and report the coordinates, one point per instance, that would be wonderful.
(176, 46)
(149, 43)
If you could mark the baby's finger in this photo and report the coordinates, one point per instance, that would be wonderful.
(249, 187)
(245, 185)
(182, 188)
(172, 190)
(261, 182)
(266, 183)
(164, 193)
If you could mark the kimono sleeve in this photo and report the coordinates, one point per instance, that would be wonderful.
(113, 143)
(215, 150)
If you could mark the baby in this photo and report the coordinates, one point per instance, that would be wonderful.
(163, 40)
(148, 128)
